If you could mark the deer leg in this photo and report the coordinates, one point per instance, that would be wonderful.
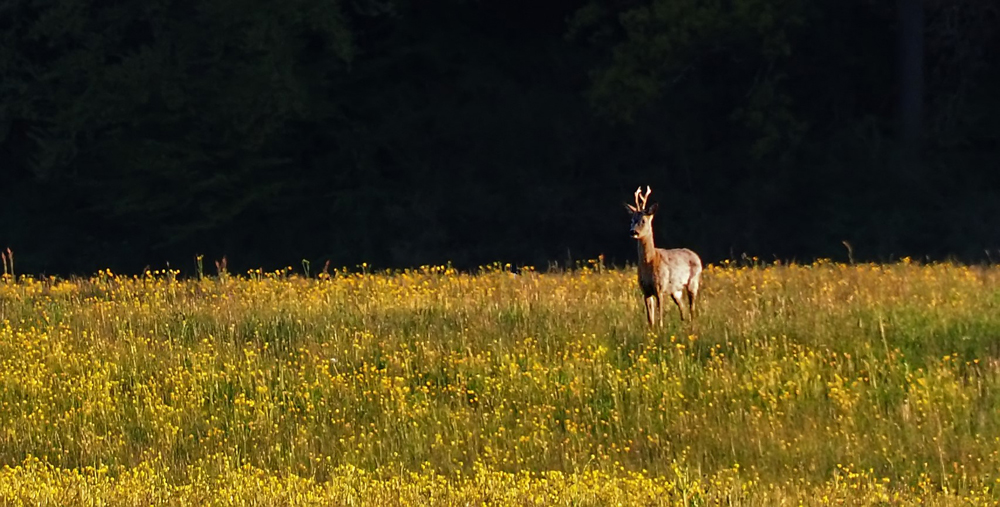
(690, 295)
(649, 310)
(692, 292)
(676, 295)
(659, 309)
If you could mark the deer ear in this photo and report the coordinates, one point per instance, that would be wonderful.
(652, 209)
(630, 208)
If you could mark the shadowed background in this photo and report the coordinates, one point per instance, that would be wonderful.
(401, 133)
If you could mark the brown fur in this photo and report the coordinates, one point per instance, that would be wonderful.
(674, 272)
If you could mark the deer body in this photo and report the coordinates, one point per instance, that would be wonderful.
(675, 272)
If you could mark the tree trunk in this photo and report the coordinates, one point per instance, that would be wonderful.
(910, 58)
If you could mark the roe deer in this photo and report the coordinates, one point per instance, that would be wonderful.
(675, 272)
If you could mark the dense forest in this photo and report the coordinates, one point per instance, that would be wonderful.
(401, 133)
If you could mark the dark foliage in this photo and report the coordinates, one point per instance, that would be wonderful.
(403, 133)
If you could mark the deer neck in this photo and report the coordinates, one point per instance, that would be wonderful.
(647, 250)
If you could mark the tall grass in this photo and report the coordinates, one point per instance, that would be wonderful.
(802, 383)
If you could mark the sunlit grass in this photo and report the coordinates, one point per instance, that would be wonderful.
(805, 384)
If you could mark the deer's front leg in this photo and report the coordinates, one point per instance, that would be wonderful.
(659, 310)
(650, 316)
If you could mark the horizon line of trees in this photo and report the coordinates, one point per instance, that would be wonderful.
(401, 134)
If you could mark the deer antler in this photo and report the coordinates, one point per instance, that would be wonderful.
(640, 200)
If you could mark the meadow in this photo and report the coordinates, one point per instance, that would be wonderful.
(826, 383)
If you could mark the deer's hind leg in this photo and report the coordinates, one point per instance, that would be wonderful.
(690, 297)
(677, 296)
(692, 294)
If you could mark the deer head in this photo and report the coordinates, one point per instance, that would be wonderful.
(642, 216)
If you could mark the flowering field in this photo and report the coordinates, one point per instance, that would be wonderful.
(812, 384)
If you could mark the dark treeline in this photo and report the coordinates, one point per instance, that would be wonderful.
(402, 133)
